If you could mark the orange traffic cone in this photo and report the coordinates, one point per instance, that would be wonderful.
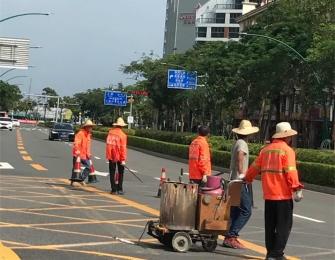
(161, 181)
(77, 165)
(92, 170)
(91, 176)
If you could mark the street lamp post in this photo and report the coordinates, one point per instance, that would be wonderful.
(174, 65)
(18, 15)
(15, 78)
(9, 70)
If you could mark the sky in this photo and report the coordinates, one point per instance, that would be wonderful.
(84, 42)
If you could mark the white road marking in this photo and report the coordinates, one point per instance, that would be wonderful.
(104, 174)
(96, 157)
(310, 219)
(6, 166)
(133, 170)
(158, 179)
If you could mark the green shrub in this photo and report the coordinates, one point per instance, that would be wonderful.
(314, 173)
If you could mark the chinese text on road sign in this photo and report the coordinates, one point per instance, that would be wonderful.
(182, 79)
(115, 98)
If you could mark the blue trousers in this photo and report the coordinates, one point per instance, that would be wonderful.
(85, 172)
(239, 216)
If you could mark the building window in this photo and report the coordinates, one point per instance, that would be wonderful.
(233, 32)
(233, 17)
(217, 32)
(220, 18)
(202, 32)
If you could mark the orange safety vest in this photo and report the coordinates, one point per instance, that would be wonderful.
(82, 144)
(199, 158)
(277, 166)
(116, 145)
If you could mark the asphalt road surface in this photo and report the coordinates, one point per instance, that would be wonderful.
(43, 217)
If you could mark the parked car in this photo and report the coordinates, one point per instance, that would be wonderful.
(62, 131)
(6, 123)
(15, 122)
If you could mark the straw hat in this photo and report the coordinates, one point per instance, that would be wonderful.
(120, 122)
(283, 129)
(245, 128)
(88, 122)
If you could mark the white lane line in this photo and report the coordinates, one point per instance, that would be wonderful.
(132, 170)
(96, 157)
(6, 166)
(158, 179)
(104, 174)
(310, 219)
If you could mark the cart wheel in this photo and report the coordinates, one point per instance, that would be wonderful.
(181, 242)
(209, 245)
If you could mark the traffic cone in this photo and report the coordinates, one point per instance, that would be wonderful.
(161, 181)
(91, 176)
(77, 165)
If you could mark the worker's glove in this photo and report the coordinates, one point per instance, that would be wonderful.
(123, 163)
(298, 196)
(241, 176)
(204, 179)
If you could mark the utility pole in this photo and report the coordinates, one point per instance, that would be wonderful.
(131, 100)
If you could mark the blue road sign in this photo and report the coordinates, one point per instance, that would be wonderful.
(182, 79)
(115, 98)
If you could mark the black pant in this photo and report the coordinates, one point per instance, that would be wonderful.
(278, 224)
(120, 169)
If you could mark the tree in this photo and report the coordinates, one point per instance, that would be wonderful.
(9, 96)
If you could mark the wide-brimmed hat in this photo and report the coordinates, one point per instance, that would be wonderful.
(88, 123)
(283, 129)
(120, 122)
(245, 128)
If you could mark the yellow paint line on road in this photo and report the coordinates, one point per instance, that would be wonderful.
(27, 158)
(38, 167)
(58, 246)
(23, 152)
(7, 253)
(122, 200)
(105, 208)
(20, 147)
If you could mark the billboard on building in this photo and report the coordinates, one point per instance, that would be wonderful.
(14, 53)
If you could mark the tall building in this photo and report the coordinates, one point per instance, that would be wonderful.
(216, 20)
(180, 25)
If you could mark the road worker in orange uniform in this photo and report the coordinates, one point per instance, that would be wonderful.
(277, 165)
(116, 154)
(82, 149)
(199, 157)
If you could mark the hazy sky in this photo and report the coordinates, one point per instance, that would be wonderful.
(84, 41)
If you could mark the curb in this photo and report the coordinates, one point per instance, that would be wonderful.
(7, 254)
(307, 186)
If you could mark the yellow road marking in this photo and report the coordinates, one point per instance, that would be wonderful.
(23, 152)
(38, 167)
(20, 147)
(27, 158)
(105, 208)
(122, 200)
(116, 222)
(7, 254)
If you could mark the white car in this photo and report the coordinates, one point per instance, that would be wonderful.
(15, 122)
(6, 123)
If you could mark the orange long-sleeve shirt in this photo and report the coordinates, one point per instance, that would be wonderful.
(199, 158)
(116, 145)
(277, 165)
(82, 144)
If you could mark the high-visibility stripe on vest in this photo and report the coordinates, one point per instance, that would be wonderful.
(277, 165)
(199, 158)
(82, 144)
